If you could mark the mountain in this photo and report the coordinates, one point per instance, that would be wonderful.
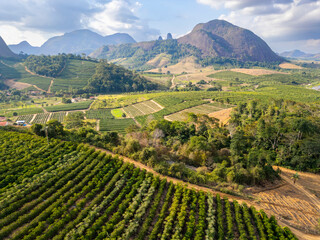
(5, 50)
(214, 39)
(219, 38)
(300, 55)
(82, 41)
(24, 47)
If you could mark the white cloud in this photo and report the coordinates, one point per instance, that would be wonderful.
(274, 20)
(120, 16)
(36, 20)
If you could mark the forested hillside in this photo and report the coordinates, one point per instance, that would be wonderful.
(110, 78)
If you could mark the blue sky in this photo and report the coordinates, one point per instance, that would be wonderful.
(283, 24)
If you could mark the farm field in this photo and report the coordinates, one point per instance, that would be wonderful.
(99, 114)
(41, 118)
(118, 113)
(142, 108)
(21, 111)
(69, 107)
(201, 109)
(117, 125)
(58, 116)
(26, 118)
(92, 195)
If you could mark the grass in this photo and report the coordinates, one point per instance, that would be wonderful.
(118, 113)
(116, 125)
(69, 107)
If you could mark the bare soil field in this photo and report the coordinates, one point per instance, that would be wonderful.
(17, 85)
(289, 66)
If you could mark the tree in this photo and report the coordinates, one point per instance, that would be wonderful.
(295, 177)
(55, 128)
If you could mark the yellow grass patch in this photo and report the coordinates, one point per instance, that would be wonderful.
(222, 115)
(256, 72)
(289, 66)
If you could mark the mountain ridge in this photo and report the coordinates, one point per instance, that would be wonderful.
(5, 50)
(76, 42)
(300, 55)
(214, 39)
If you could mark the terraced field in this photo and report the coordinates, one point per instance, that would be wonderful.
(66, 190)
(143, 108)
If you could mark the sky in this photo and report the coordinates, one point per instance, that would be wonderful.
(284, 24)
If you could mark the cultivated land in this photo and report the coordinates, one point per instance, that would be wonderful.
(93, 195)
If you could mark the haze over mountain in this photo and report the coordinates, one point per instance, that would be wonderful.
(300, 55)
(5, 51)
(24, 47)
(77, 42)
(216, 38)
(219, 38)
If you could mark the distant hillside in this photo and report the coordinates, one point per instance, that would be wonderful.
(24, 47)
(5, 51)
(147, 55)
(76, 42)
(215, 39)
(219, 38)
(300, 55)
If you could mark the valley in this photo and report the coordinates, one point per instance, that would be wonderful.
(210, 135)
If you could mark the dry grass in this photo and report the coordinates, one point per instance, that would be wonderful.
(289, 66)
(222, 115)
(187, 65)
(256, 72)
(294, 204)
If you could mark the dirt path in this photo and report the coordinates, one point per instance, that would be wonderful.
(98, 125)
(172, 82)
(157, 104)
(51, 83)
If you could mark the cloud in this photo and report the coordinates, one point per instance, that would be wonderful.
(52, 17)
(274, 20)
(120, 16)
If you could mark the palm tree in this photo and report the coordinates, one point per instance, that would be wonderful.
(295, 177)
